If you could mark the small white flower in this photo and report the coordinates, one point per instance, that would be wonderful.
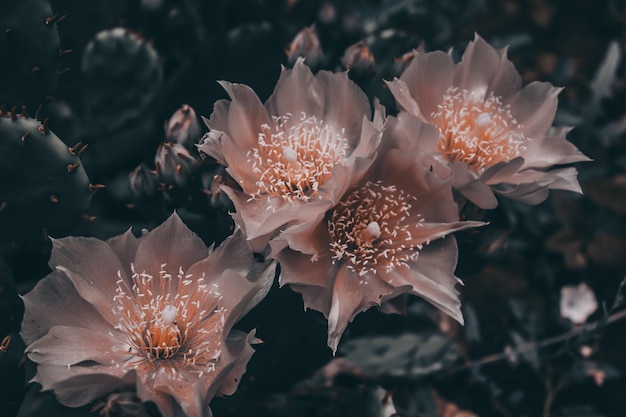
(578, 303)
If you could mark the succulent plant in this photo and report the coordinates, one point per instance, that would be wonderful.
(30, 50)
(122, 75)
(48, 187)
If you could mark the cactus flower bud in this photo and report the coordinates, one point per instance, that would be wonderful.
(174, 164)
(306, 44)
(358, 57)
(143, 181)
(183, 127)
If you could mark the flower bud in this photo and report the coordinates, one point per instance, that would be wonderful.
(358, 57)
(174, 164)
(306, 44)
(143, 181)
(183, 127)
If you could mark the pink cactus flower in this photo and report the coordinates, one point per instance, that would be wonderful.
(387, 236)
(154, 313)
(494, 136)
(293, 156)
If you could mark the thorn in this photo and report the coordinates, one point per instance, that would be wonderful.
(60, 19)
(54, 198)
(4, 345)
(22, 361)
(87, 217)
(64, 71)
(76, 148)
(83, 149)
(95, 187)
(38, 112)
(63, 52)
(72, 167)
(12, 113)
(25, 137)
(24, 113)
(50, 98)
(50, 20)
(36, 69)
(44, 128)
(3, 205)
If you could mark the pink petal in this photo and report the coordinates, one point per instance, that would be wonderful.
(246, 115)
(125, 247)
(472, 188)
(65, 345)
(219, 117)
(314, 298)
(507, 81)
(408, 133)
(296, 91)
(264, 217)
(54, 301)
(241, 282)
(78, 385)
(351, 295)
(169, 247)
(93, 268)
(534, 107)
(238, 344)
(402, 93)
(432, 277)
(428, 77)
(298, 268)
(478, 66)
(502, 171)
(345, 104)
(545, 151)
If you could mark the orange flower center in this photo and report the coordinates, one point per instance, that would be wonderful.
(371, 228)
(174, 318)
(295, 157)
(477, 130)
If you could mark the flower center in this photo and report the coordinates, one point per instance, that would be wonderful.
(477, 130)
(295, 157)
(371, 228)
(166, 317)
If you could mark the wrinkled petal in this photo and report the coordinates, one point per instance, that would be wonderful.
(54, 301)
(351, 295)
(428, 76)
(483, 69)
(93, 268)
(65, 345)
(534, 107)
(265, 218)
(345, 104)
(546, 151)
(125, 247)
(169, 247)
(402, 94)
(297, 90)
(431, 277)
(241, 282)
(78, 385)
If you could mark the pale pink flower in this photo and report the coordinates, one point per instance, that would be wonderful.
(154, 312)
(494, 136)
(294, 156)
(384, 238)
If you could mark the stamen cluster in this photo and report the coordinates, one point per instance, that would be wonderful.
(170, 318)
(294, 158)
(477, 130)
(371, 229)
